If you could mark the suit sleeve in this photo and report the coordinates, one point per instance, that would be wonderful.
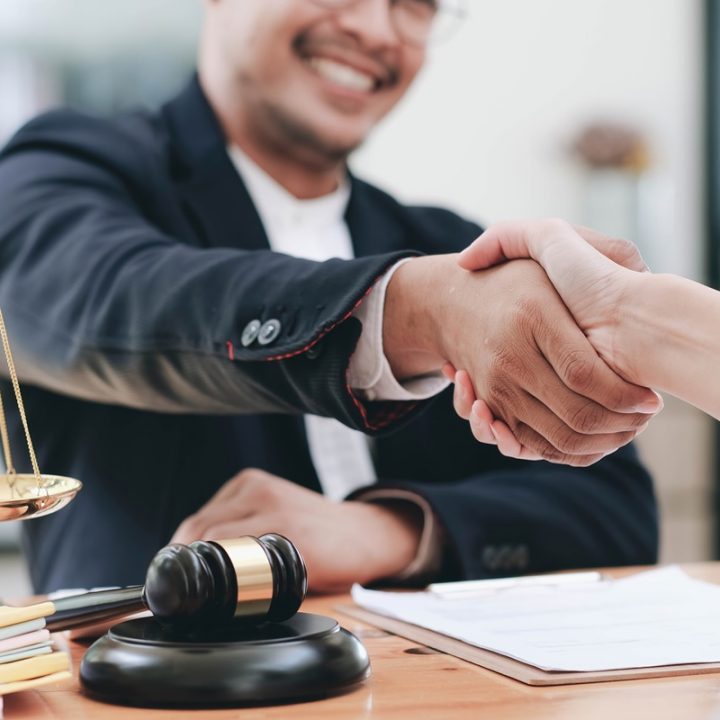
(548, 518)
(103, 305)
(540, 518)
(498, 516)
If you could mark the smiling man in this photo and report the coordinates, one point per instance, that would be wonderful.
(292, 84)
(197, 297)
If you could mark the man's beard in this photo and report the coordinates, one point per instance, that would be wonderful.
(303, 142)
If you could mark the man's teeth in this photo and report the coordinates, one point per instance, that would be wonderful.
(342, 74)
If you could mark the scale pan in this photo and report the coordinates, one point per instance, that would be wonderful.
(22, 497)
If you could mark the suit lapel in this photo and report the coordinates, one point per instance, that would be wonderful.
(220, 207)
(223, 215)
(374, 229)
(210, 188)
(218, 203)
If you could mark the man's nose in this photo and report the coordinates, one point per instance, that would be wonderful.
(371, 21)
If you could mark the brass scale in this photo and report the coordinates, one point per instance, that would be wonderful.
(27, 495)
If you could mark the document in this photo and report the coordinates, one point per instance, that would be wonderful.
(26, 640)
(27, 656)
(28, 652)
(21, 628)
(15, 615)
(33, 667)
(655, 618)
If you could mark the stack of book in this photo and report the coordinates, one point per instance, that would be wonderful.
(28, 657)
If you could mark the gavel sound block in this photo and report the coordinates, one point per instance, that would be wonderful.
(225, 631)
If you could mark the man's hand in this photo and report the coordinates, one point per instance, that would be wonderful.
(591, 272)
(341, 543)
(524, 353)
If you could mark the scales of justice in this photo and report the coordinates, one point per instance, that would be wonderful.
(219, 622)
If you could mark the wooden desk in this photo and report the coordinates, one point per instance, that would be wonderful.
(410, 681)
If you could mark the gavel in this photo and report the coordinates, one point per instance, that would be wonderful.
(207, 583)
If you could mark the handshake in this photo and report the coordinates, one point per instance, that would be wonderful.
(537, 347)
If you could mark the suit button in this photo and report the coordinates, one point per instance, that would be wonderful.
(503, 558)
(269, 331)
(522, 557)
(250, 333)
(490, 557)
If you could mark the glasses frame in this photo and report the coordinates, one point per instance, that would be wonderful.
(454, 13)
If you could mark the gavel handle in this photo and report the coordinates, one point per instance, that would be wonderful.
(95, 606)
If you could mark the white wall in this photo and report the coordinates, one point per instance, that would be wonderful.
(487, 126)
(92, 29)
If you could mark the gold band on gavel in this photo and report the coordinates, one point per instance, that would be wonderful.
(254, 575)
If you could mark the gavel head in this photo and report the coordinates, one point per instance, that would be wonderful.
(210, 583)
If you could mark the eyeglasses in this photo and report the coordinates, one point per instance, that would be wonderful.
(418, 22)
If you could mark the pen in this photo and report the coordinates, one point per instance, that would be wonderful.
(478, 587)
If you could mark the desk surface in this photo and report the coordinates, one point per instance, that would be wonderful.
(410, 681)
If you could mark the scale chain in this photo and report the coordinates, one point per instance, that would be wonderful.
(21, 409)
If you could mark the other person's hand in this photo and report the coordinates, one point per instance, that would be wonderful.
(522, 350)
(341, 543)
(591, 272)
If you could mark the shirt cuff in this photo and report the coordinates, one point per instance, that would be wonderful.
(369, 373)
(428, 561)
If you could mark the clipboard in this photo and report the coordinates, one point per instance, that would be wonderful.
(503, 665)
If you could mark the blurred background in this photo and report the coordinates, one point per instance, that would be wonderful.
(601, 112)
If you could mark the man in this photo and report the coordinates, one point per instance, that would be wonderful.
(153, 289)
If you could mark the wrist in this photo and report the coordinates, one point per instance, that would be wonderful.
(640, 329)
(411, 331)
(392, 532)
(627, 324)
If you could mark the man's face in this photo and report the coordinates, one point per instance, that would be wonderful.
(309, 74)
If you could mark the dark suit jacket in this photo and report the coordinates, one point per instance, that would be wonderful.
(131, 259)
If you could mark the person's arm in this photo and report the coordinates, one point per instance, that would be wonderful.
(103, 305)
(667, 338)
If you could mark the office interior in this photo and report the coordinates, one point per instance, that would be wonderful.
(503, 123)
